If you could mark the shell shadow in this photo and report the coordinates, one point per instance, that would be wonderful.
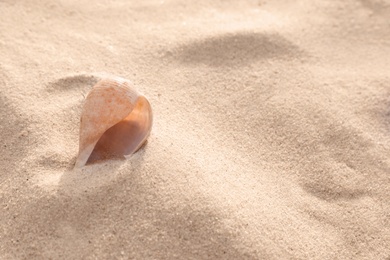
(237, 49)
(75, 82)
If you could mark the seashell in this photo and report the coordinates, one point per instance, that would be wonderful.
(116, 120)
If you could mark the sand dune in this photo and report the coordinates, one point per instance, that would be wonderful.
(271, 136)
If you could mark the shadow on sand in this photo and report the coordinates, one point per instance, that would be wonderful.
(237, 49)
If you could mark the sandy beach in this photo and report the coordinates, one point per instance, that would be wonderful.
(271, 133)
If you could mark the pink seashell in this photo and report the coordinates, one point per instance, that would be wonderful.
(116, 120)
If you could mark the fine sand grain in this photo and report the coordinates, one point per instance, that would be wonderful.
(271, 136)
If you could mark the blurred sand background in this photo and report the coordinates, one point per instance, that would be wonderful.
(271, 135)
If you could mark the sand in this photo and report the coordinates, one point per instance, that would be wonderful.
(271, 136)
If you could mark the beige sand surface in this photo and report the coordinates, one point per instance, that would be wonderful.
(271, 137)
